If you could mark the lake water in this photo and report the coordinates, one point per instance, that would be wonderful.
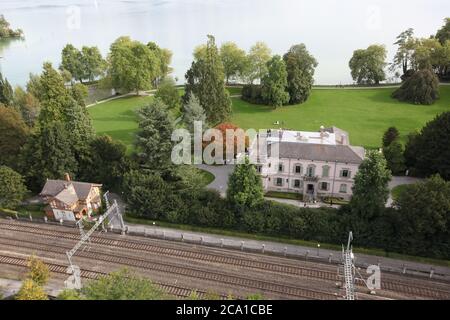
(331, 29)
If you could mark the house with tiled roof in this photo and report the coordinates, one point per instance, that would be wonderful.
(70, 200)
(315, 164)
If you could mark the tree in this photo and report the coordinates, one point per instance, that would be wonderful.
(6, 91)
(428, 152)
(92, 63)
(258, 57)
(300, 67)
(27, 104)
(421, 88)
(205, 79)
(390, 136)
(164, 57)
(245, 188)
(273, 89)
(13, 134)
(193, 111)
(169, 94)
(132, 65)
(71, 60)
(406, 45)
(223, 128)
(12, 188)
(122, 285)
(233, 60)
(153, 140)
(6, 31)
(108, 162)
(443, 34)
(367, 65)
(39, 271)
(146, 194)
(394, 157)
(370, 193)
(424, 217)
(30, 290)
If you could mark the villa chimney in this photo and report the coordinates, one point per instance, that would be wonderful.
(67, 177)
(342, 139)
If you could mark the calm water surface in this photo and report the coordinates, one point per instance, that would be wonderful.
(331, 29)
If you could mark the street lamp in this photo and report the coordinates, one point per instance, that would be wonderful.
(318, 248)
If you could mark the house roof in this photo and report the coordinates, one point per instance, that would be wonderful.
(55, 187)
(319, 152)
(67, 195)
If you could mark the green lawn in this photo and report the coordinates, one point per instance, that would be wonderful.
(398, 190)
(117, 118)
(364, 113)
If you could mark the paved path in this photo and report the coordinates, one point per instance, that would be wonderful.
(397, 181)
(221, 174)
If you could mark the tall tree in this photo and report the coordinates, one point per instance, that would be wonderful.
(390, 136)
(169, 94)
(72, 61)
(258, 57)
(164, 57)
(274, 83)
(300, 67)
(6, 91)
(193, 111)
(367, 65)
(394, 157)
(245, 188)
(370, 193)
(133, 66)
(424, 217)
(429, 150)
(421, 88)
(93, 64)
(12, 188)
(233, 60)
(13, 134)
(406, 44)
(443, 34)
(153, 140)
(27, 104)
(205, 79)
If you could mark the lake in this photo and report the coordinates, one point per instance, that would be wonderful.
(331, 29)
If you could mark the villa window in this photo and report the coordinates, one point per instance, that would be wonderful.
(324, 186)
(343, 188)
(280, 167)
(279, 182)
(325, 171)
(345, 173)
(310, 171)
(259, 168)
(298, 169)
(297, 183)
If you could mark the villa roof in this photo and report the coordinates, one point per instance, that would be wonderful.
(319, 152)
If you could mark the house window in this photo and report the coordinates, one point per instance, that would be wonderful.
(298, 169)
(310, 171)
(325, 171)
(343, 188)
(258, 168)
(280, 167)
(324, 186)
(297, 183)
(345, 173)
(279, 182)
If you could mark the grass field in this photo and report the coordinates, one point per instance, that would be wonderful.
(117, 118)
(364, 113)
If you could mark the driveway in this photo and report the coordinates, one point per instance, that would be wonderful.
(221, 174)
(397, 181)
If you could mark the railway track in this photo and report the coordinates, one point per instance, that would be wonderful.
(412, 288)
(191, 272)
(176, 291)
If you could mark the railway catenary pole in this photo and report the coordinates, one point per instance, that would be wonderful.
(349, 279)
(73, 269)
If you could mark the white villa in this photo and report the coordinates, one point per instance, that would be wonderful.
(316, 164)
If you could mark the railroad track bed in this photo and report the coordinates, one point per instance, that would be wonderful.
(414, 287)
(198, 276)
